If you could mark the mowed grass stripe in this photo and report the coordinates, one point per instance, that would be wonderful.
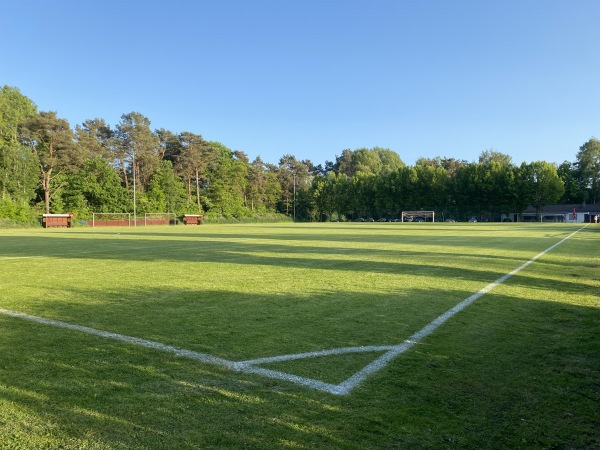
(242, 292)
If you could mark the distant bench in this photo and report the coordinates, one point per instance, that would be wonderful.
(57, 220)
(192, 219)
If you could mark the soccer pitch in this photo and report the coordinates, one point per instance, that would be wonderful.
(345, 335)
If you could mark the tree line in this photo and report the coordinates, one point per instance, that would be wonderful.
(46, 166)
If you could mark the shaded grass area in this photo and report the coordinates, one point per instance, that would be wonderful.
(517, 369)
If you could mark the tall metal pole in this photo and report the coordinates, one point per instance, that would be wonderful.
(134, 199)
(294, 196)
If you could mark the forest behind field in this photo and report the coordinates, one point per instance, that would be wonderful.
(49, 166)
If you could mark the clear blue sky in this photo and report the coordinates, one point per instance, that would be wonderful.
(314, 77)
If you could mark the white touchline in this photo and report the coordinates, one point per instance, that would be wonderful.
(382, 361)
(250, 366)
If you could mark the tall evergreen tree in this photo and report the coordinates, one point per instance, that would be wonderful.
(51, 140)
(195, 158)
(138, 149)
(94, 138)
(257, 183)
(294, 176)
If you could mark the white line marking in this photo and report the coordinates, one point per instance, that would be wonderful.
(121, 337)
(382, 361)
(335, 351)
(250, 366)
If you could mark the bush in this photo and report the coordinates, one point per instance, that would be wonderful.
(16, 214)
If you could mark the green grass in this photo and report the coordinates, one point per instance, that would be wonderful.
(517, 369)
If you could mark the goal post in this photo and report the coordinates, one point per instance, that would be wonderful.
(418, 216)
(111, 219)
(160, 219)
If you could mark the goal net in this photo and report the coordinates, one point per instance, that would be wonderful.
(111, 219)
(160, 219)
(418, 216)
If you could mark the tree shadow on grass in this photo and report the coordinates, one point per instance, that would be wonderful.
(506, 373)
(509, 373)
(60, 389)
(238, 324)
(241, 326)
(456, 268)
(482, 267)
(431, 237)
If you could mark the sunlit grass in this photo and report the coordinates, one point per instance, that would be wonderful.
(498, 374)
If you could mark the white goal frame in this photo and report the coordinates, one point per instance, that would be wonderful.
(411, 215)
(122, 219)
(171, 218)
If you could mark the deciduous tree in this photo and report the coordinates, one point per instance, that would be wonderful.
(96, 187)
(166, 193)
(543, 183)
(18, 165)
(490, 156)
(575, 190)
(588, 159)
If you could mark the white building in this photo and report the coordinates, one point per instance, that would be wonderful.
(562, 213)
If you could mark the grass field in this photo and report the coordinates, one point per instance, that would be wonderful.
(518, 368)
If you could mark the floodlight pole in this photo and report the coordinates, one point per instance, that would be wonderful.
(294, 174)
(134, 199)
